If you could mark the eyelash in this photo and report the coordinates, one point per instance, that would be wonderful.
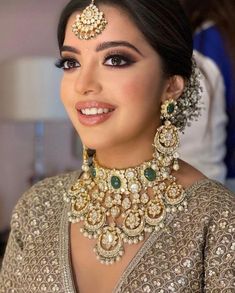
(122, 57)
(61, 63)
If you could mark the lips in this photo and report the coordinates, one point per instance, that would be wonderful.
(92, 112)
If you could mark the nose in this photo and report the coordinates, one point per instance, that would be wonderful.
(87, 82)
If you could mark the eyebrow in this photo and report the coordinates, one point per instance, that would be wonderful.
(107, 45)
(69, 49)
(103, 46)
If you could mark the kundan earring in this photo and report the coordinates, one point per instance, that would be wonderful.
(166, 140)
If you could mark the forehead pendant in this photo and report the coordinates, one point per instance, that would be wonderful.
(90, 23)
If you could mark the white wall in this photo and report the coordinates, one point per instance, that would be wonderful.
(28, 27)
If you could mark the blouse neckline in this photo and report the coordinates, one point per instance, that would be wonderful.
(65, 246)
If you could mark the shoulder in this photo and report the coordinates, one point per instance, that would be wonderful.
(212, 198)
(214, 190)
(44, 195)
(202, 192)
(50, 186)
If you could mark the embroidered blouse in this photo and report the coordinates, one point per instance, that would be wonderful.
(194, 252)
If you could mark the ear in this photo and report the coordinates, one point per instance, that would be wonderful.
(174, 88)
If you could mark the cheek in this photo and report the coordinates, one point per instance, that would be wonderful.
(132, 92)
(142, 88)
(65, 91)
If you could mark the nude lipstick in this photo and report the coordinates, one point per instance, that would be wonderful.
(91, 113)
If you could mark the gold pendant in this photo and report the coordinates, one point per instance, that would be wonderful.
(109, 247)
(133, 226)
(80, 206)
(174, 193)
(94, 220)
(155, 212)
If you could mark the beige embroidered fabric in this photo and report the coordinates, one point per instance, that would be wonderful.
(195, 252)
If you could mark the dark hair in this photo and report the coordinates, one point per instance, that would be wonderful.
(221, 12)
(162, 22)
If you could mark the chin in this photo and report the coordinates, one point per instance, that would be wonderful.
(95, 143)
(97, 138)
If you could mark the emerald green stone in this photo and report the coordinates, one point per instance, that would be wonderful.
(93, 172)
(150, 174)
(115, 182)
(170, 108)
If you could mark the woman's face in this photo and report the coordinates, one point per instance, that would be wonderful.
(112, 85)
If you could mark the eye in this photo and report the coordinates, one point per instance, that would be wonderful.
(67, 64)
(118, 60)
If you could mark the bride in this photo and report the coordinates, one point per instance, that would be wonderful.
(136, 218)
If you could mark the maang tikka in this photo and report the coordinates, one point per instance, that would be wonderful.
(90, 23)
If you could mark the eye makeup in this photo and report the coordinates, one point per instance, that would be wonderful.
(67, 63)
(114, 59)
(118, 58)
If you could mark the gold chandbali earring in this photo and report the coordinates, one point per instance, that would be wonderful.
(118, 207)
(90, 23)
(166, 140)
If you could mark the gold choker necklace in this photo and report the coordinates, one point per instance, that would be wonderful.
(121, 206)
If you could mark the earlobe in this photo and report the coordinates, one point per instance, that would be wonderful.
(174, 88)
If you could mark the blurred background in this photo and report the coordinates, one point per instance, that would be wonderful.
(34, 142)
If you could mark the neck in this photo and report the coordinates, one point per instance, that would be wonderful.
(125, 157)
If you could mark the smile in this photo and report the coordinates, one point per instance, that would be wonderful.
(95, 111)
(91, 113)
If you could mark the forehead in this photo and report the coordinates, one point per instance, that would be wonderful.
(120, 27)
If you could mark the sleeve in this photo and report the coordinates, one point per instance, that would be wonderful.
(220, 250)
(11, 270)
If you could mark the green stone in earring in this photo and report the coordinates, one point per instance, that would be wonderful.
(115, 182)
(170, 108)
(93, 172)
(150, 174)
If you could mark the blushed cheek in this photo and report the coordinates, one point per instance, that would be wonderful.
(142, 87)
(133, 89)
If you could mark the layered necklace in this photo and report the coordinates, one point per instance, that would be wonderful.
(117, 207)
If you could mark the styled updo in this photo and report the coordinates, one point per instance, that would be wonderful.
(167, 29)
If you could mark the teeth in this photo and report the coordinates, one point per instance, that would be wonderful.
(94, 111)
